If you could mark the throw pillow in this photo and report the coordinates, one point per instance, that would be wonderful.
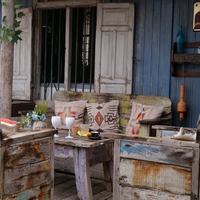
(103, 116)
(139, 112)
(70, 109)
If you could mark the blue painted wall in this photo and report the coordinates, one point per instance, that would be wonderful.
(156, 26)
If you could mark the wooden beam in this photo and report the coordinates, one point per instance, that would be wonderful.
(67, 3)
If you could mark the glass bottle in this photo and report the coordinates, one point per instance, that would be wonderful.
(180, 39)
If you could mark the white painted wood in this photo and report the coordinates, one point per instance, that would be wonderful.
(114, 47)
(22, 59)
(69, 3)
(67, 50)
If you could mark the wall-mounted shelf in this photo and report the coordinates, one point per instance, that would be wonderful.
(179, 61)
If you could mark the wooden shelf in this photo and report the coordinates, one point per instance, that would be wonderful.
(180, 61)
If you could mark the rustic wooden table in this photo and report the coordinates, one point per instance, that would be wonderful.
(86, 153)
(27, 165)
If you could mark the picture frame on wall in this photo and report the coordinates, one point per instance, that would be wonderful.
(196, 17)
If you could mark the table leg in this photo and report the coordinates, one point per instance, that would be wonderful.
(108, 169)
(82, 173)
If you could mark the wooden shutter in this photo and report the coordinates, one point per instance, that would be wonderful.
(22, 59)
(114, 47)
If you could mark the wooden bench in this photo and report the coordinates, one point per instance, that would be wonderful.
(124, 114)
(124, 106)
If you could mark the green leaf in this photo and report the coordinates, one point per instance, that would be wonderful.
(17, 5)
(18, 32)
(3, 3)
(9, 38)
(16, 23)
(5, 32)
(16, 38)
(20, 14)
(4, 19)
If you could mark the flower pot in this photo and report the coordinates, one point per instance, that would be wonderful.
(38, 125)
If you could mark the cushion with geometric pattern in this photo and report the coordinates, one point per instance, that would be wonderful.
(74, 109)
(103, 116)
(140, 112)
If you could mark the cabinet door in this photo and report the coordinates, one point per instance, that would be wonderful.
(22, 59)
(114, 47)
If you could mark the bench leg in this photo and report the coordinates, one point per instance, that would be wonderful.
(82, 173)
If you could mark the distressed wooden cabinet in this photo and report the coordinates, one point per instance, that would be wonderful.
(27, 165)
(155, 169)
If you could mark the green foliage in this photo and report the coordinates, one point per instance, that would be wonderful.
(41, 109)
(38, 114)
(9, 34)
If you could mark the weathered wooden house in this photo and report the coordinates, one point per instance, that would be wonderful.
(112, 45)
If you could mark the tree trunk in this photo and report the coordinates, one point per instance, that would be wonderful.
(6, 63)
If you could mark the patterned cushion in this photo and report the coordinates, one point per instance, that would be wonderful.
(104, 116)
(140, 112)
(70, 109)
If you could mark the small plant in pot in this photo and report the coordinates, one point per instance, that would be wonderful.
(36, 118)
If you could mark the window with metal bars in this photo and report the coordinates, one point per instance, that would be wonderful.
(82, 45)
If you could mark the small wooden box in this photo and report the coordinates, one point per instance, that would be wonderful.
(27, 165)
(155, 168)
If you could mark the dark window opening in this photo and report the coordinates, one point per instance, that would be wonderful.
(83, 27)
(83, 46)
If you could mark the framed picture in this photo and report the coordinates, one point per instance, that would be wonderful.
(196, 18)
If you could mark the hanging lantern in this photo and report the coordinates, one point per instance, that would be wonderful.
(181, 106)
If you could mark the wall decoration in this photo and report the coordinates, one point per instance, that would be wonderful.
(196, 18)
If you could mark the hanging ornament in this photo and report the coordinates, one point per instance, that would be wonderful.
(181, 106)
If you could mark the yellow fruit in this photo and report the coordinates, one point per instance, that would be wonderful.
(89, 134)
(84, 134)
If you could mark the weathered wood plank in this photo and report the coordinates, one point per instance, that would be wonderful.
(145, 194)
(33, 193)
(27, 135)
(83, 182)
(66, 3)
(116, 160)
(37, 150)
(154, 140)
(155, 153)
(80, 141)
(142, 174)
(23, 177)
(195, 172)
(63, 151)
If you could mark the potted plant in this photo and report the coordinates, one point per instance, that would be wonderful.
(36, 118)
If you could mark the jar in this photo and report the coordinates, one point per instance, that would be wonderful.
(180, 39)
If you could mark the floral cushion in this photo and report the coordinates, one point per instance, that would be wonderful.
(103, 116)
(139, 112)
(70, 109)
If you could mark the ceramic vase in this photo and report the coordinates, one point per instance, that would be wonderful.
(38, 125)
